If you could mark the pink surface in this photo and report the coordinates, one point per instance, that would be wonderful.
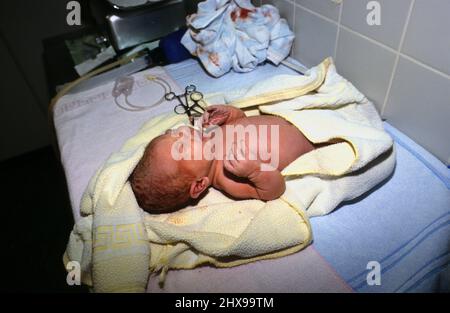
(304, 271)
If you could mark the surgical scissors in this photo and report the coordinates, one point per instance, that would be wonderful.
(185, 107)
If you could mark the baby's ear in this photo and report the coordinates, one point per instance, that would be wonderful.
(198, 186)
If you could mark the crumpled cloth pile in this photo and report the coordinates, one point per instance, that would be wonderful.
(234, 34)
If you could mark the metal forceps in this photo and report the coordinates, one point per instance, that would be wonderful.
(191, 95)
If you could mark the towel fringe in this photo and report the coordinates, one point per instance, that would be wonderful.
(162, 275)
(165, 260)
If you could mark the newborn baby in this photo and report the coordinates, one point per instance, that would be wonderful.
(241, 156)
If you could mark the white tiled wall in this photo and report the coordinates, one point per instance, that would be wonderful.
(402, 65)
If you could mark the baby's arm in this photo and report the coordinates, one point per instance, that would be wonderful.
(221, 114)
(265, 185)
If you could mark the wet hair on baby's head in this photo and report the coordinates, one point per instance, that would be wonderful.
(158, 190)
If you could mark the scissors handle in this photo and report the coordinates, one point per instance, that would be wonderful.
(185, 108)
(181, 109)
(196, 96)
(170, 96)
(197, 109)
(190, 89)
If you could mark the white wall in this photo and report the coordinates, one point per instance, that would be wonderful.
(402, 65)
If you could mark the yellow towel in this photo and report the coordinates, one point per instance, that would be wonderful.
(326, 108)
(117, 243)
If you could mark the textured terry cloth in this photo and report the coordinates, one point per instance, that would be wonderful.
(326, 108)
(218, 230)
(227, 34)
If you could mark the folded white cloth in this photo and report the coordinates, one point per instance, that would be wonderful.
(227, 34)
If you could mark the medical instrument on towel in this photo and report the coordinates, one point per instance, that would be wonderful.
(128, 64)
(124, 86)
(123, 61)
(95, 72)
(138, 64)
(192, 98)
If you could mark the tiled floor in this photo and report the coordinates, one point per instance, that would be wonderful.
(37, 220)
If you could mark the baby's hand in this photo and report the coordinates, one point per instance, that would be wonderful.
(240, 161)
(215, 115)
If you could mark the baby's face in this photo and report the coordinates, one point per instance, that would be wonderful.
(182, 145)
(187, 143)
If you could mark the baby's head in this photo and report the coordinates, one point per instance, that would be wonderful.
(163, 184)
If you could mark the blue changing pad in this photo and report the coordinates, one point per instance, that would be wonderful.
(404, 224)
